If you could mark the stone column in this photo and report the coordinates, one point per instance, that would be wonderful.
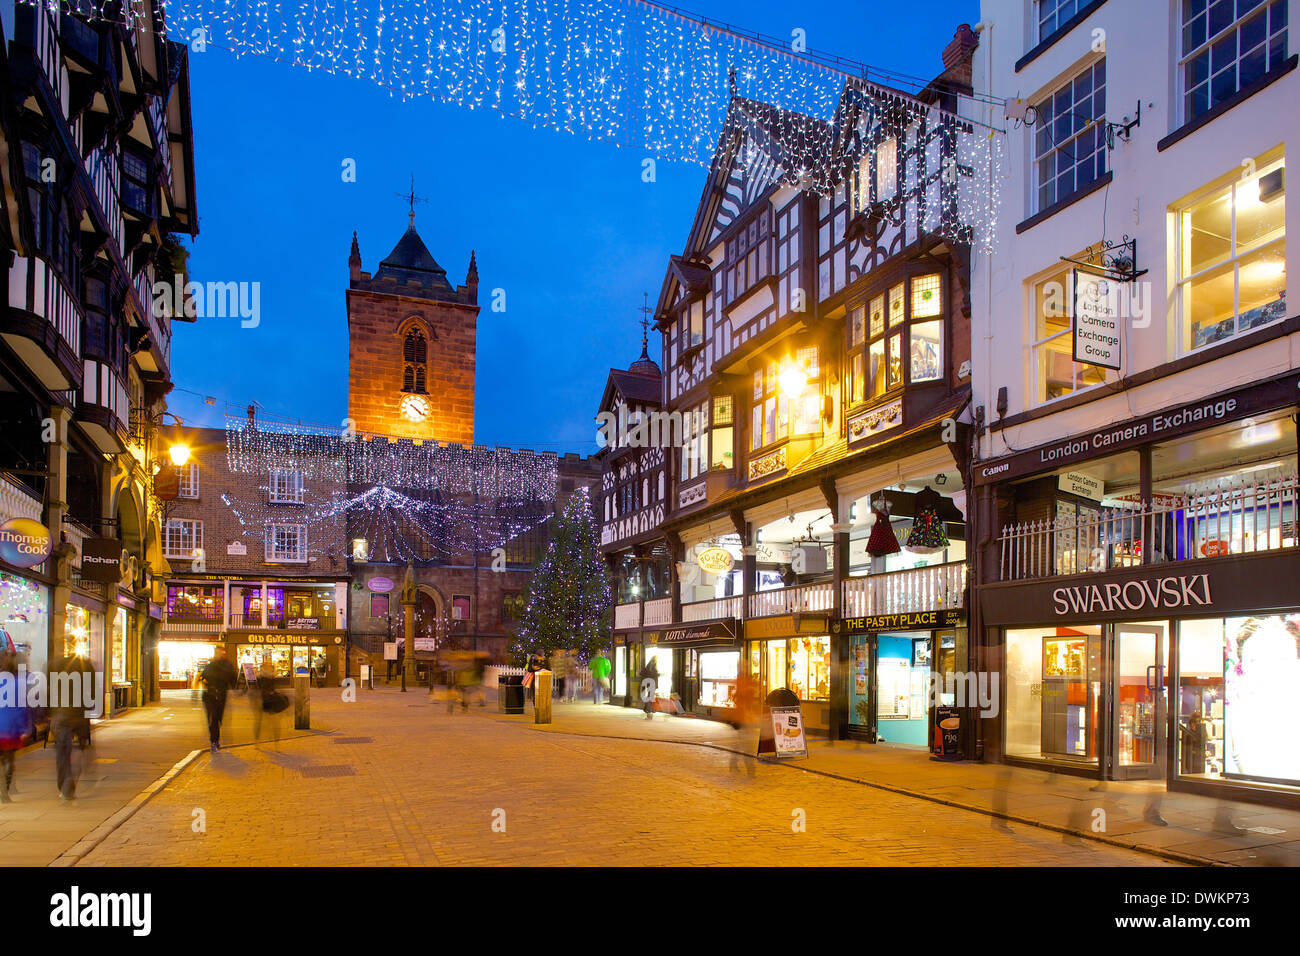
(56, 493)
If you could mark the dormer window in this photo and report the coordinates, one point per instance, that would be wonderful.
(691, 330)
(415, 355)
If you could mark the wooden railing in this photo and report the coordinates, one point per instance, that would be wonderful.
(931, 588)
(712, 610)
(1242, 519)
(658, 611)
(805, 597)
(627, 616)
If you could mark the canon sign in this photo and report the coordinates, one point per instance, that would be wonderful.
(1167, 592)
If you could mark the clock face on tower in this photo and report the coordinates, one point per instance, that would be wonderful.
(415, 408)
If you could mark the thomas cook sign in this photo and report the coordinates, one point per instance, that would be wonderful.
(24, 543)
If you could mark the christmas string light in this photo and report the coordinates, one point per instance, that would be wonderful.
(628, 72)
(337, 455)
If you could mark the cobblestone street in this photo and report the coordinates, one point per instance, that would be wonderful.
(400, 781)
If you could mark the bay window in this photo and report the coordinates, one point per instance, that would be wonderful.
(695, 437)
(906, 320)
(1232, 257)
(770, 410)
(1226, 46)
(722, 455)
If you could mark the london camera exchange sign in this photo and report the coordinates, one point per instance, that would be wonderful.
(1096, 320)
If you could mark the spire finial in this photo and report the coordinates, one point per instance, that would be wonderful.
(645, 325)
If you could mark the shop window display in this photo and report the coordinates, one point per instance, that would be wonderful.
(118, 647)
(24, 616)
(180, 662)
(1236, 681)
(718, 673)
(1053, 692)
(810, 668)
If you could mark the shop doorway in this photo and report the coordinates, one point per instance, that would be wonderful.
(1139, 701)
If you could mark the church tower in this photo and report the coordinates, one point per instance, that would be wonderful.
(411, 345)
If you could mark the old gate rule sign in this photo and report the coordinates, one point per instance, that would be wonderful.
(1096, 320)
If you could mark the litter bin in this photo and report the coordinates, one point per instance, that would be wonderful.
(510, 693)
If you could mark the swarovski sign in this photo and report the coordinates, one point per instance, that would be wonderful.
(1172, 591)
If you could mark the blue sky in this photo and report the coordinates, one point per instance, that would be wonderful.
(565, 226)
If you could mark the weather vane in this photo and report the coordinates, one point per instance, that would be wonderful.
(411, 199)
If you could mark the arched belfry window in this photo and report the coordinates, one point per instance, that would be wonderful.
(415, 355)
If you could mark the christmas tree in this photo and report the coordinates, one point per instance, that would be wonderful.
(569, 597)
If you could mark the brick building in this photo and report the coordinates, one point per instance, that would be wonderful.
(253, 567)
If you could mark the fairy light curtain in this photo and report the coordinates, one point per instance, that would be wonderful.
(623, 71)
(406, 500)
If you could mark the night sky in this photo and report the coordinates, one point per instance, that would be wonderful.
(564, 225)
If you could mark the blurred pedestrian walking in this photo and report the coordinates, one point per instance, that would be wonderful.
(72, 700)
(270, 702)
(600, 668)
(15, 722)
(218, 679)
(649, 686)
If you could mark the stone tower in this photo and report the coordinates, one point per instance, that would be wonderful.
(411, 345)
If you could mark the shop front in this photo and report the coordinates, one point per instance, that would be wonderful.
(1147, 617)
(793, 651)
(25, 618)
(706, 655)
(900, 668)
(181, 658)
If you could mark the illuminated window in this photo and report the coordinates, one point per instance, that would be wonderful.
(723, 438)
(188, 478)
(1232, 257)
(893, 330)
(1056, 373)
(770, 410)
(1224, 49)
(183, 538)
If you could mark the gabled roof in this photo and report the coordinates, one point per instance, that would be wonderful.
(777, 137)
(642, 384)
(411, 259)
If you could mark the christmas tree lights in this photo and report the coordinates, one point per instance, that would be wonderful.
(569, 596)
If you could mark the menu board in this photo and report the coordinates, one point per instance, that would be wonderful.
(860, 670)
(787, 730)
